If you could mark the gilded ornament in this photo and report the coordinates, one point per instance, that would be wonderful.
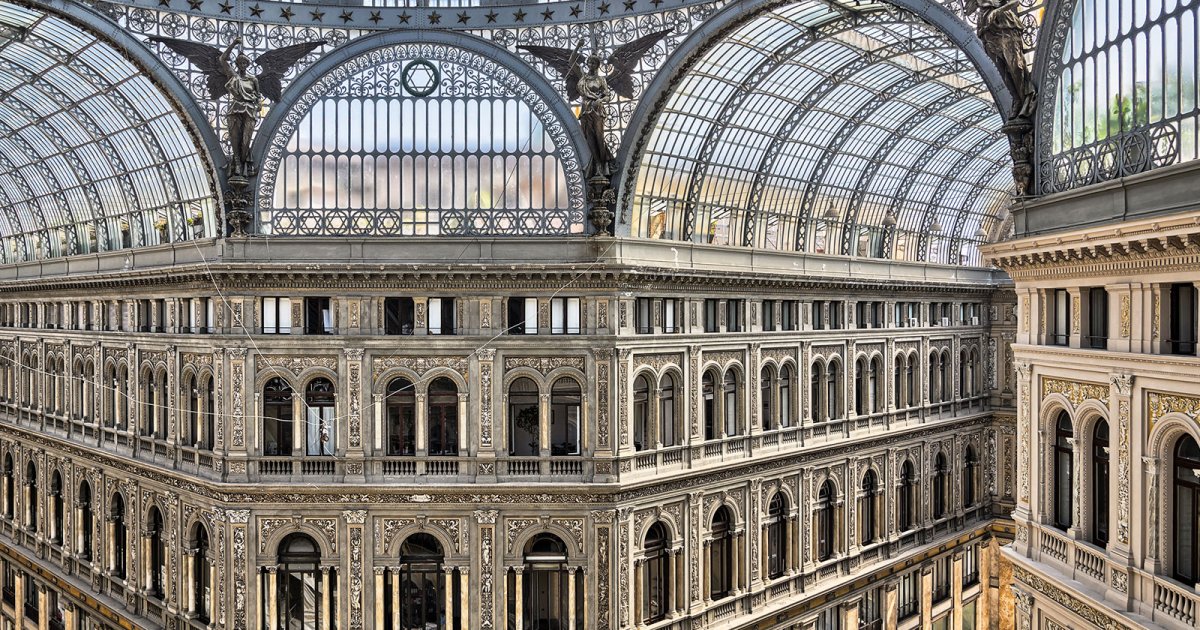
(1163, 404)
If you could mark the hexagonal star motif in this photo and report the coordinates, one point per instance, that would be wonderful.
(420, 78)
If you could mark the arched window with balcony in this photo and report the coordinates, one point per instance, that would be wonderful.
(56, 508)
(964, 387)
(708, 386)
(278, 429)
(422, 584)
(32, 497)
(117, 536)
(191, 410)
(84, 521)
(862, 395)
(911, 368)
(442, 403)
(731, 390)
(400, 409)
(524, 424)
(786, 404)
(10, 487)
(1063, 472)
(765, 395)
(1100, 483)
(941, 486)
(320, 404)
(899, 387)
(947, 383)
(156, 560)
(85, 374)
(668, 432)
(301, 584)
(566, 416)
(868, 508)
(970, 479)
(641, 413)
(826, 522)
(656, 596)
(1186, 501)
(720, 554)
(777, 539)
(206, 436)
(906, 502)
(817, 403)
(934, 371)
(201, 578)
(545, 594)
(834, 400)
(875, 383)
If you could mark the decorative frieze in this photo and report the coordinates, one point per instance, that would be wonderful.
(1067, 600)
(421, 365)
(1074, 391)
(294, 364)
(1159, 405)
(543, 365)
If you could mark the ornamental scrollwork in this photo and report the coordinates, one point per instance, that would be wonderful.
(421, 365)
(1163, 404)
(294, 364)
(544, 365)
(1074, 391)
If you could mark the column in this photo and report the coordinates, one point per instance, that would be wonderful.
(519, 599)
(736, 566)
(571, 612)
(679, 592)
(69, 622)
(211, 600)
(891, 606)
(19, 601)
(272, 598)
(422, 422)
(189, 562)
(111, 549)
(764, 568)
(43, 609)
(706, 573)
(1077, 464)
(147, 566)
(325, 616)
(956, 585)
(464, 590)
(1152, 562)
(638, 592)
(447, 590)
(396, 597)
(926, 598)
(379, 620)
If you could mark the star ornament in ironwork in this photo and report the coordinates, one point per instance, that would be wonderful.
(347, 17)
(256, 11)
(420, 77)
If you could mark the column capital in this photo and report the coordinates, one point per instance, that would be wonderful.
(380, 570)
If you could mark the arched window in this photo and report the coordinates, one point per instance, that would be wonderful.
(868, 517)
(731, 390)
(277, 418)
(826, 523)
(566, 406)
(666, 411)
(862, 395)
(941, 486)
(1187, 511)
(785, 396)
(10, 498)
(720, 555)
(422, 584)
(191, 411)
(910, 377)
(1100, 483)
(156, 562)
(898, 388)
(1063, 471)
(320, 402)
(906, 501)
(656, 598)
(944, 377)
(546, 597)
(524, 424)
(443, 417)
(933, 388)
(876, 382)
(207, 433)
(117, 536)
(777, 540)
(833, 392)
(963, 384)
(201, 578)
(83, 531)
(32, 496)
(766, 392)
(817, 403)
(300, 585)
(56, 508)
(159, 430)
(970, 479)
(641, 413)
(708, 386)
(400, 409)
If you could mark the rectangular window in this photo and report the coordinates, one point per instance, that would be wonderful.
(870, 610)
(522, 316)
(861, 319)
(968, 616)
(787, 315)
(835, 315)
(318, 316)
(277, 315)
(160, 315)
(941, 623)
(1183, 319)
(441, 316)
(941, 578)
(1097, 332)
(143, 315)
(644, 323)
(970, 565)
(830, 619)
(818, 315)
(10, 584)
(909, 598)
(670, 316)
(734, 311)
(564, 316)
(711, 323)
(768, 315)
(1061, 307)
(398, 316)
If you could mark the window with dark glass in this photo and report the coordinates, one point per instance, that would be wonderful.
(777, 540)
(836, 316)
(941, 486)
(156, 563)
(546, 591)
(787, 315)
(818, 315)
(906, 503)
(442, 412)
(970, 565)
(731, 390)
(708, 387)
(766, 382)
(398, 316)
(643, 319)
(56, 508)
(318, 316)
(1100, 483)
(277, 315)
(524, 423)
(870, 610)
(641, 413)
(768, 315)
(711, 322)
(565, 316)
(423, 584)
(1063, 471)
(825, 521)
(666, 411)
(566, 405)
(1186, 567)
(201, 578)
(400, 409)
(83, 502)
(522, 316)
(970, 479)
(10, 583)
(1183, 319)
(320, 405)
(785, 396)
(117, 518)
(656, 597)
(441, 316)
(735, 310)
(909, 599)
(671, 321)
(720, 555)
(1060, 332)
(1097, 332)
(277, 418)
(32, 611)
(942, 574)
(300, 584)
(868, 508)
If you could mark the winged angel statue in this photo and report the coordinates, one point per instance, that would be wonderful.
(245, 91)
(587, 82)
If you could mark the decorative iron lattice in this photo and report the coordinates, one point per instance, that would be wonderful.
(1122, 155)
(360, 154)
